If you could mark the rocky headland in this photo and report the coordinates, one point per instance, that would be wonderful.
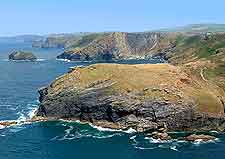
(187, 94)
(24, 56)
(143, 97)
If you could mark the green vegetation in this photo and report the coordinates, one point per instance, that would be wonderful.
(85, 40)
(202, 55)
(217, 71)
(197, 28)
(199, 46)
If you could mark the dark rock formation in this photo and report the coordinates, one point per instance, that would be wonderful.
(20, 55)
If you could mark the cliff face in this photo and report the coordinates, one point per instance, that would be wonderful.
(118, 45)
(57, 40)
(186, 96)
(143, 97)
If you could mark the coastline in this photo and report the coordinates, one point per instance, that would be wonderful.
(201, 137)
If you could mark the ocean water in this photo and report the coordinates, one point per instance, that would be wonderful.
(19, 82)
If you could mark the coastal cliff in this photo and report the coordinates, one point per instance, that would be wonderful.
(186, 94)
(143, 97)
(119, 45)
(57, 40)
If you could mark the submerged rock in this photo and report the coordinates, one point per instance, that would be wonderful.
(202, 137)
(159, 135)
(143, 97)
(20, 55)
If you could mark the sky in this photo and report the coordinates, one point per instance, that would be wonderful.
(19, 17)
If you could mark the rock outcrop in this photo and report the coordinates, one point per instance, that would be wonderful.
(20, 55)
(201, 137)
(143, 97)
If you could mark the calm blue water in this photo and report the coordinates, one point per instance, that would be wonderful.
(19, 82)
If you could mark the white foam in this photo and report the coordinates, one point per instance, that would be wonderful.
(41, 60)
(129, 131)
(214, 131)
(200, 141)
(145, 148)
(173, 148)
(22, 117)
(32, 112)
(182, 141)
(65, 60)
(133, 137)
(152, 140)
(2, 127)
(104, 136)
(103, 129)
(69, 130)
(99, 128)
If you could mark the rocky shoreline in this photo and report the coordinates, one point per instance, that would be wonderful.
(159, 134)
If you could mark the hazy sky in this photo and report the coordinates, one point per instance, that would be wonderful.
(58, 16)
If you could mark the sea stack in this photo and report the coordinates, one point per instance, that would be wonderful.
(20, 55)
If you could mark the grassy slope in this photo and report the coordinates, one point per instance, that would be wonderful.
(85, 40)
(156, 82)
(197, 28)
(204, 54)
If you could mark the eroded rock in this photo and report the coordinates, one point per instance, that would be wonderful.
(20, 55)
(202, 137)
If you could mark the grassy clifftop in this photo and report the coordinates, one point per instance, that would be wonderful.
(159, 82)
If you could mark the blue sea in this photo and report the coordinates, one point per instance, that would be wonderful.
(19, 82)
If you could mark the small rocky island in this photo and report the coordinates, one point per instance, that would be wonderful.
(21, 55)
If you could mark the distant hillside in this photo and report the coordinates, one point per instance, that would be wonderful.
(23, 38)
(118, 45)
(58, 40)
(197, 28)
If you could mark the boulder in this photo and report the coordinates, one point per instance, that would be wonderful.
(162, 136)
(201, 137)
